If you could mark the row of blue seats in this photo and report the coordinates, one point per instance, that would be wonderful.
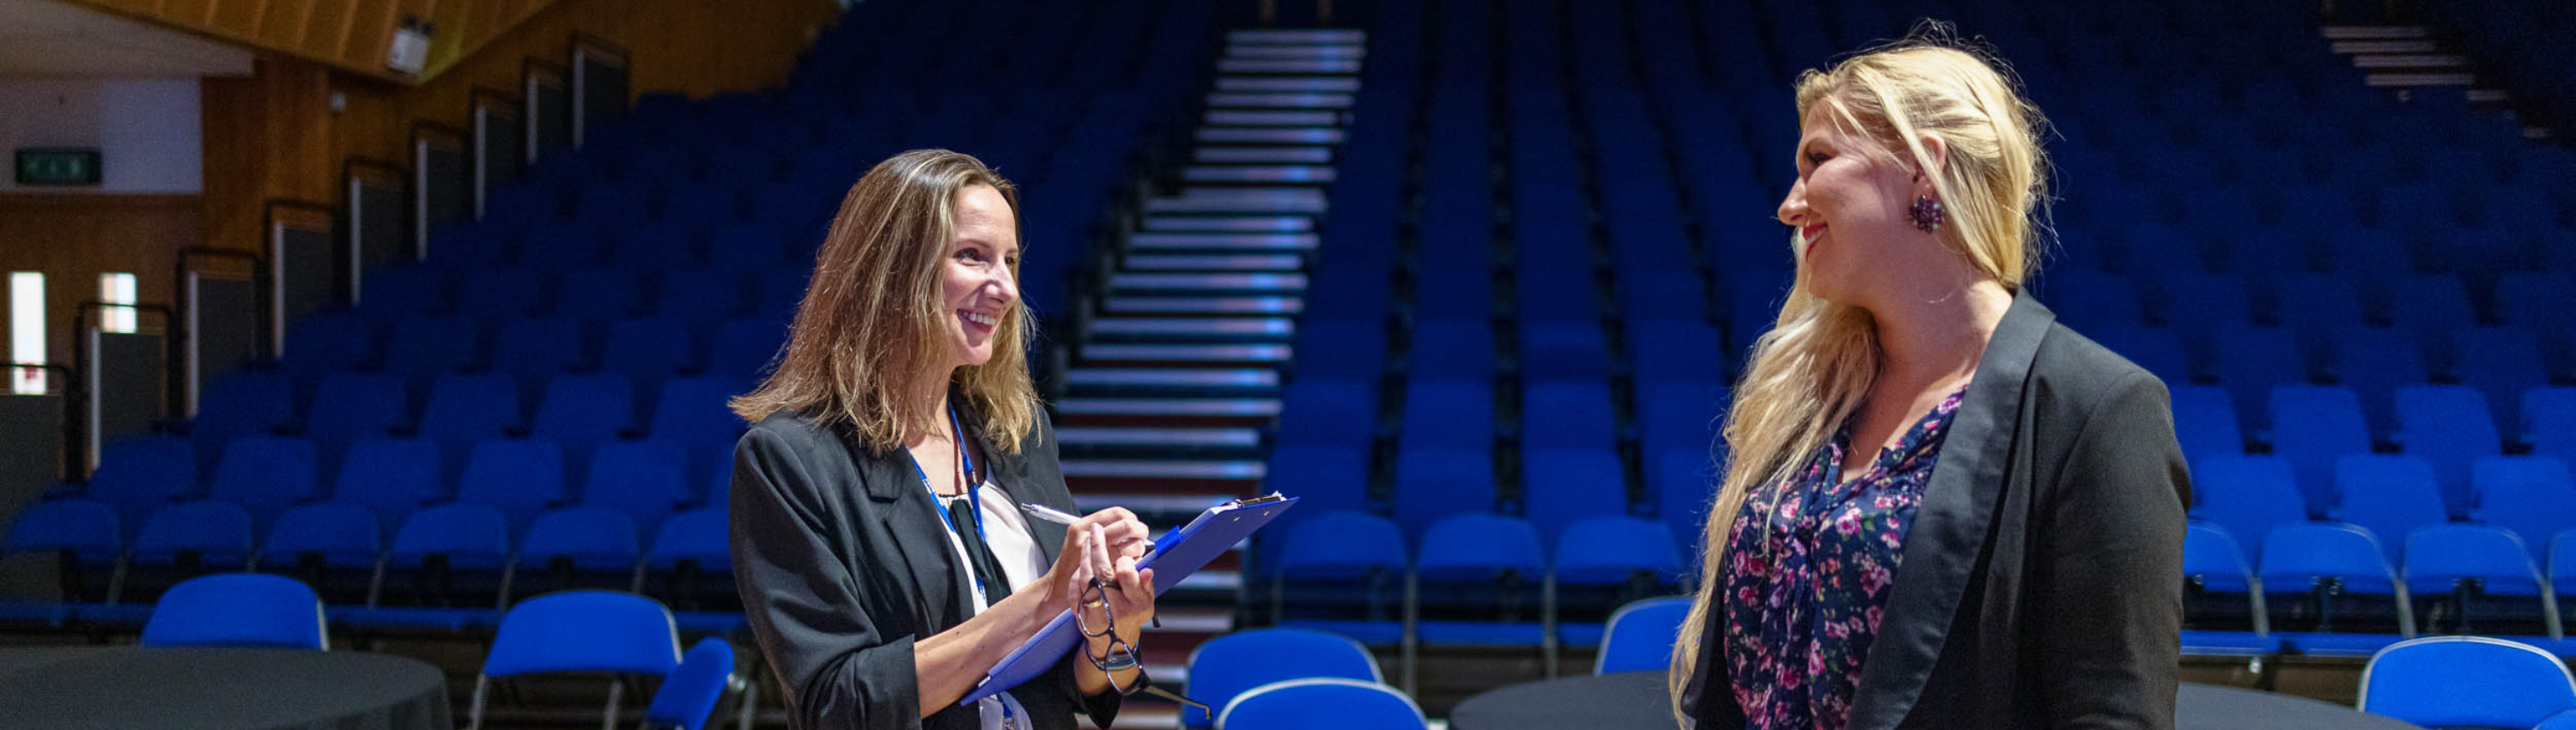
(446, 567)
(2451, 577)
(1343, 571)
(395, 476)
(578, 410)
(2393, 495)
(644, 349)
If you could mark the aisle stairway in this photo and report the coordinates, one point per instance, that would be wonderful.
(1176, 363)
(2412, 57)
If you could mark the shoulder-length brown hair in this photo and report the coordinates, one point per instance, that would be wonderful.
(871, 330)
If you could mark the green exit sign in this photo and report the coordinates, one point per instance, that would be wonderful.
(58, 166)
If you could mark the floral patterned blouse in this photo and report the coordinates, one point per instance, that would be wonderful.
(1807, 570)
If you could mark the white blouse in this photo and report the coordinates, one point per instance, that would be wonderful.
(1006, 532)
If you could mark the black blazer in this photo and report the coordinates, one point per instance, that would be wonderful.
(2042, 580)
(843, 562)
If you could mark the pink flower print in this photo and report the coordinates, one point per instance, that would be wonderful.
(1873, 577)
(1848, 523)
(1873, 615)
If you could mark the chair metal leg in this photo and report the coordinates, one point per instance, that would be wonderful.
(616, 692)
(474, 714)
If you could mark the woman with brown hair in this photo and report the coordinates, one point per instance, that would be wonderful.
(878, 539)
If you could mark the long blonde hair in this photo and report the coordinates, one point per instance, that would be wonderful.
(1810, 372)
(872, 326)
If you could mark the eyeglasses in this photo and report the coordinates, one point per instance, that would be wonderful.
(1119, 656)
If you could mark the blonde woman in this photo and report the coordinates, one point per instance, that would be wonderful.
(878, 542)
(1943, 509)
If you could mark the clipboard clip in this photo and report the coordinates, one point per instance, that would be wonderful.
(1260, 500)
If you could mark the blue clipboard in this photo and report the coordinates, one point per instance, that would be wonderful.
(1176, 555)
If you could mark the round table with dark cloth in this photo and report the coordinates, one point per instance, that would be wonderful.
(132, 688)
(1636, 701)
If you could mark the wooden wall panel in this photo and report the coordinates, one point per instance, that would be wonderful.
(73, 238)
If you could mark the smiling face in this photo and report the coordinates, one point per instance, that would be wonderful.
(979, 281)
(1850, 208)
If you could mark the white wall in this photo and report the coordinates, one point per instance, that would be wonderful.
(147, 131)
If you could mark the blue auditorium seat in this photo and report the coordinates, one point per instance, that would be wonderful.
(641, 480)
(743, 348)
(443, 571)
(465, 409)
(1562, 486)
(1564, 351)
(241, 403)
(2561, 565)
(238, 610)
(661, 247)
(644, 352)
(2205, 420)
(2443, 558)
(323, 343)
(501, 292)
(2531, 495)
(352, 406)
(1326, 477)
(1448, 414)
(1347, 570)
(391, 477)
(138, 475)
(2249, 495)
(1327, 702)
(2312, 426)
(2537, 303)
(1473, 569)
(1321, 411)
(1341, 349)
(1604, 562)
(1227, 666)
(698, 295)
(2499, 361)
(579, 631)
(2202, 300)
(2212, 563)
(265, 475)
(2466, 681)
(2430, 306)
(1675, 350)
(692, 411)
(386, 294)
(2449, 427)
(2308, 558)
(1680, 415)
(86, 537)
(185, 539)
(598, 293)
(2250, 359)
(1567, 415)
(580, 547)
(1665, 295)
(333, 546)
(536, 349)
(700, 206)
(521, 478)
(1435, 482)
(2374, 362)
(2316, 306)
(2389, 495)
(1453, 350)
(429, 346)
(2549, 422)
(689, 566)
(750, 247)
(580, 412)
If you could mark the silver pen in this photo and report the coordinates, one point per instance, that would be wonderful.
(1062, 517)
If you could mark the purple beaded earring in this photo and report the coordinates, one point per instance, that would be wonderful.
(1927, 213)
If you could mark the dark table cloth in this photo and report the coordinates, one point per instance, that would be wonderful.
(138, 688)
(1636, 701)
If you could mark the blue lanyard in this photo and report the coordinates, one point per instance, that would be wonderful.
(974, 496)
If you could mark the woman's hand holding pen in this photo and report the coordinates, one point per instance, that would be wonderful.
(1105, 544)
